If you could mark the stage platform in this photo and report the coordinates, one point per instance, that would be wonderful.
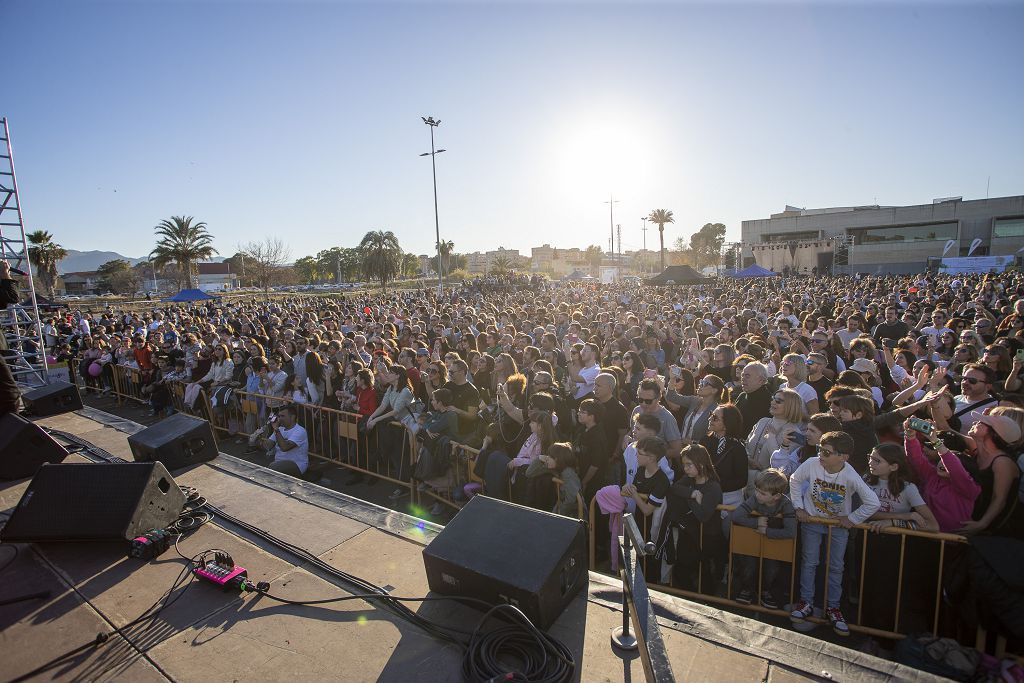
(210, 634)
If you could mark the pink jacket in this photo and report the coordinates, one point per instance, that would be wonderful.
(952, 499)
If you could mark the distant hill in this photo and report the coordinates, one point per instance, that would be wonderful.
(85, 261)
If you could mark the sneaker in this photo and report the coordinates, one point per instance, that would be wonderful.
(835, 617)
(745, 597)
(801, 611)
(436, 509)
(399, 493)
(768, 600)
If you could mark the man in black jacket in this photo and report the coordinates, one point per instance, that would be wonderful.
(756, 398)
(9, 394)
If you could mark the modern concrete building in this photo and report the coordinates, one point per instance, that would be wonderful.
(876, 239)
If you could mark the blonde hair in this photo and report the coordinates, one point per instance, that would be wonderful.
(794, 409)
(799, 363)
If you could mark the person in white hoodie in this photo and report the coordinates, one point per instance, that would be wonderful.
(831, 483)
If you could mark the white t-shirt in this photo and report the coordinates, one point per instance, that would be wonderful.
(589, 374)
(806, 391)
(968, 418)
(908, 499)
(298, 455)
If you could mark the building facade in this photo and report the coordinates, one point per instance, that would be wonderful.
(879, 239)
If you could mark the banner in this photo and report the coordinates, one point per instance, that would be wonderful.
(975, 264)
(974, 245)
(949, 245)
(57, 372)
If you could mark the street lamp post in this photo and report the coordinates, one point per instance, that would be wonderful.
(611, 223)
(644, 219)
(429, 120)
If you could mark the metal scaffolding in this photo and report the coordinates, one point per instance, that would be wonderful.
(22, 344)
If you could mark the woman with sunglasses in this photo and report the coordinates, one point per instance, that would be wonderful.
(787, 416)
(696, 409)
(724, 442)
(946, 346)
(998, 358)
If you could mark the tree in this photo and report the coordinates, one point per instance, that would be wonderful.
(382, 256)
(594, 255)
(183, 243)
(46, 255)
(681, 254)
(501, 264)
(237, 263)
(264, 261)
(119, 277)
(661, 217)
(307, 270)
(706, 244)
(410, 265)
(445, 249)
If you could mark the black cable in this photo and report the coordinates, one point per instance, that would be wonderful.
(102, 637)
(541, 657)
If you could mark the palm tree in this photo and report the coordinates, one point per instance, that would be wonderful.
(46, 255)
(183, 243)
(594, 255)
(445, 249)
(661, 217)
(501, 265)
(410, 265)
(382, 256)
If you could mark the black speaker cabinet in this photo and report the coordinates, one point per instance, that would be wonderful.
(502, 552)
(94, 501)
(177, 441)
(24, 446)
(52, 399)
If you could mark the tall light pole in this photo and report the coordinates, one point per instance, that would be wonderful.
(611, 223)
(429, 120)
(644, 219)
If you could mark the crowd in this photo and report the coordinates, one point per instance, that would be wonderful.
(821, 409)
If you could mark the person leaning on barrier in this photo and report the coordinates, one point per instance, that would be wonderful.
(770, 513)
(289, 441)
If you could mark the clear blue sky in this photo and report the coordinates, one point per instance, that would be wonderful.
(303, 119)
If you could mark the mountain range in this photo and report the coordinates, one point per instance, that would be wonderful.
(87, 261)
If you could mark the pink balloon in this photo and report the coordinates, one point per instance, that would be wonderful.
(95, 369)
(50, 360)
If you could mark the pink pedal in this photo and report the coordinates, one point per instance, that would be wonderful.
(221, 575)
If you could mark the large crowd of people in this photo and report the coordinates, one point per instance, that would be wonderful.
(821, 409)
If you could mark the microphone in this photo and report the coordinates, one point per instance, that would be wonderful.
(15, 271)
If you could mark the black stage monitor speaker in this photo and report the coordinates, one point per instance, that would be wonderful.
(94, 501)
(24, 446)
(502, 552)
(53, 399)
(177, 441)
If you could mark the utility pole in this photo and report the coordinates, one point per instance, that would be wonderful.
(618, 232)
(611, 223)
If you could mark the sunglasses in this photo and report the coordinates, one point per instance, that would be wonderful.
(974, 380)
(647, 401)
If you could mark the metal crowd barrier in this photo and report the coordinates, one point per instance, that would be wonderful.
(744, 541)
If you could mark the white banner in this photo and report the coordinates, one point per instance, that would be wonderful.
(58, 372)
(975, 264)
(974, 245)
(949, 245)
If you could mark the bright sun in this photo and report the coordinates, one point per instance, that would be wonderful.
(595, 156)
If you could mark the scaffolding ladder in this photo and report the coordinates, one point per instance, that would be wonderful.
(22, 347)
(841, 246)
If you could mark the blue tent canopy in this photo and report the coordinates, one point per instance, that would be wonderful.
(191, 295)
(755, 271)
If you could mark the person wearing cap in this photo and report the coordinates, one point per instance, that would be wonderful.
(868, 370)
(995, 510)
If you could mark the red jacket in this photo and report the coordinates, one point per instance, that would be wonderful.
(367, 399)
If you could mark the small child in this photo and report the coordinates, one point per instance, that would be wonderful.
(833, 483)
(775, 519)
(946, 486)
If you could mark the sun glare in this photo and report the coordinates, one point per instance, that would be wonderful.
(601, 155)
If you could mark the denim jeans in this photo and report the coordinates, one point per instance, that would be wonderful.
(811, 537)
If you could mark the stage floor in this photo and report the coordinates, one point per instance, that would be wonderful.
(94, 587)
